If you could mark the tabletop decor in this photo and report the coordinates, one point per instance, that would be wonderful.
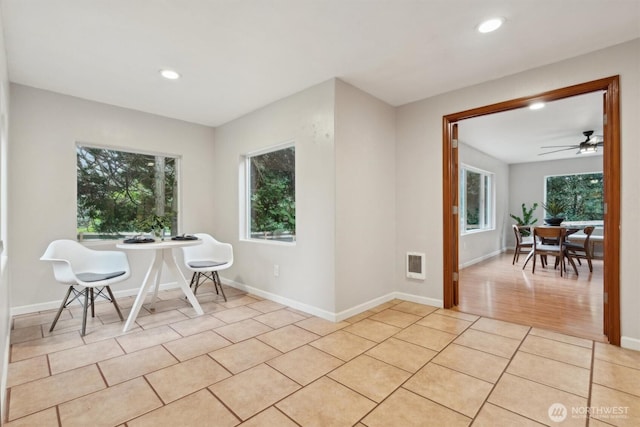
(156, 224)
(554, 209)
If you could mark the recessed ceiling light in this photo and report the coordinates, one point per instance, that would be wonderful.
(536, 106)
(170, 74)
(490, 25)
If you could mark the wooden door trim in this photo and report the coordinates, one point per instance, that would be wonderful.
(450, 220)
(611, 170)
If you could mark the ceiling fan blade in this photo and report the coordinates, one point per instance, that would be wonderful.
(559, 146)
(590, 144)
(557, 151)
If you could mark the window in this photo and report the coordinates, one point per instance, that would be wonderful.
(271, 194)
(122, 193)
(476, 200)
(580, 195)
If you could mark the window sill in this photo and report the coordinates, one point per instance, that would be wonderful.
(98, 243)
(478, 231)
(269, 242)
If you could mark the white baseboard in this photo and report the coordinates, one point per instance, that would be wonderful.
(630, 343)
(310, 309)
(328, 315)
(480, 259)
(5, 371)
(315, 311)
(419, 299)
(350, 312)
(34, 308)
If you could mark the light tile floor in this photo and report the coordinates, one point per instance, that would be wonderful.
(254, 362)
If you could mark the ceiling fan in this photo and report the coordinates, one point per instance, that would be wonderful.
(589, 145)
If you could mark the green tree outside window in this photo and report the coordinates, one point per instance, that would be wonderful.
(118, 192)
(581, 195)
(272, 195)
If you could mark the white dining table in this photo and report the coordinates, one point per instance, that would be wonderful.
(162, 254)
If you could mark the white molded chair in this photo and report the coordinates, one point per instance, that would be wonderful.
(77, 266)
(206, 259)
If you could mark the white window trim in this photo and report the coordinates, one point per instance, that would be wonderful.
(244, 198)
(178, 157)
(544, 195)
(462, 212)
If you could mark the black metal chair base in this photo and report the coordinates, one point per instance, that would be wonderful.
(211, 275)
(89, 298)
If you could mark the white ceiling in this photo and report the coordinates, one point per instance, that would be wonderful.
(517, 136)
(236, 56)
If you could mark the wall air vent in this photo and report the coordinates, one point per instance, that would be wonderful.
(415, 265)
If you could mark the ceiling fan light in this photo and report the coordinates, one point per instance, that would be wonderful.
(537, 106)
(169, 74)
(588, 149)
(490, 25)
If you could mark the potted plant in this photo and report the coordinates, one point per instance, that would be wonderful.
(156, 224)
(527, 218)
(554, 209)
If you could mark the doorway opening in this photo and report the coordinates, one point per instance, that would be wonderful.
(611, 171)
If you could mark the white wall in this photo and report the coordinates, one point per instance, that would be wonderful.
(345, 199)
(477, 246)
(365, 197)
(42, 178)
(419, 163)
(5, 319)
(307, 269)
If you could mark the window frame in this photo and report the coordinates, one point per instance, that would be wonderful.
(178, 178)
(486, 225)
(596, 222)
(245, 194)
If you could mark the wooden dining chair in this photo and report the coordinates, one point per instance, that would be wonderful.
(523, 244)
(542, 248)
(580, 250)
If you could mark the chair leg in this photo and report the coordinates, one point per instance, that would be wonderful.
(573, 264)
(195, 281)
(533, 269)
(515, 256)
(527, 259)
(84, 312)
(197, 285)
(215, 284)
(93, 309)
(115, 304)
(218, 284)
(64, 302)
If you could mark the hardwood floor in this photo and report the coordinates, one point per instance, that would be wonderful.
(571, 305)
